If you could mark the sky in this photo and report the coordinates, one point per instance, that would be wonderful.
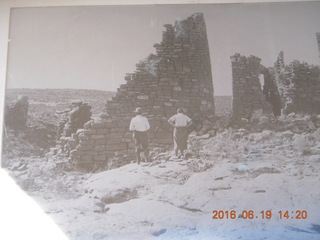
(93, 47)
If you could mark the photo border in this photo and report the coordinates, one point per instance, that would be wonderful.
(7, 185)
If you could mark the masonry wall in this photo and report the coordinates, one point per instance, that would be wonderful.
(299, 86)
(248, 93)
(286, 88)
(73, 118)
(178, 75)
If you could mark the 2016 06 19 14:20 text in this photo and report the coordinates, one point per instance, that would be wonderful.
(250, 214)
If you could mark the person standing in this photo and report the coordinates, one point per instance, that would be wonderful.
(180, 122)
(139, 125)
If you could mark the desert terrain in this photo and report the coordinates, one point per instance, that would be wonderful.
(264, 170)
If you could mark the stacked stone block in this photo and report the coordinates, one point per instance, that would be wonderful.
(271, 91)
(71, 124)
(299, 86)
(73, 118)
(177, 76)
(248, 94)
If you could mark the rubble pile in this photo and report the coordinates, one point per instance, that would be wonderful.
(73, 118)
(71, 123)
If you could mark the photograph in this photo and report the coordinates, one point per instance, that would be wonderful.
(163, 121)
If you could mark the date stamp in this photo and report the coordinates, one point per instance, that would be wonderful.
(250, 214)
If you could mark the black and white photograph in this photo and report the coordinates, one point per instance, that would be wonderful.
(165, 121)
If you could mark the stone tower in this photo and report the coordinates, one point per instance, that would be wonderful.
(249, 95)
(299, 86)
(177, 76)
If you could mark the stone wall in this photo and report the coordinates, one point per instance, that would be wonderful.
(248, 93)
(284, 89)
(16, 114)
(71, 124)
(177, 76)
(73, 118)
(299, 86)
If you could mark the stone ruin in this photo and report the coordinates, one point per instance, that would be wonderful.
(16, 114)
(71, 123)
(177, 76)
(299, 86)
(73, 118)
(280, 89)
(24, 135)
(249, 94)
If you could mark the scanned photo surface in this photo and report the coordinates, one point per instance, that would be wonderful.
(181, 121)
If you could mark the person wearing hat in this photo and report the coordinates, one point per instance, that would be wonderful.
(180, 122)
(139, 125)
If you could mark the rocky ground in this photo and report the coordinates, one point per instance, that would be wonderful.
(267, 166)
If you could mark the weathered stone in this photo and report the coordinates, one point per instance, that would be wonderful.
(299, 86)
(120, 153)
(115, 147)
(98, 125)
(163, 141)
(97, 137)
(124, 124)
(103, 131)
(84, 147)
(86, 158)
(114, 140)
(248, 96)
(168, 104)
(100, 158)
(179, 75)
(128, 135)
(90, 153)
(177, 88)
(99, 148)
(83, 137)
(88, 132)
(109, 154)
(143, 97)
(87, 125)
(86, 142)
